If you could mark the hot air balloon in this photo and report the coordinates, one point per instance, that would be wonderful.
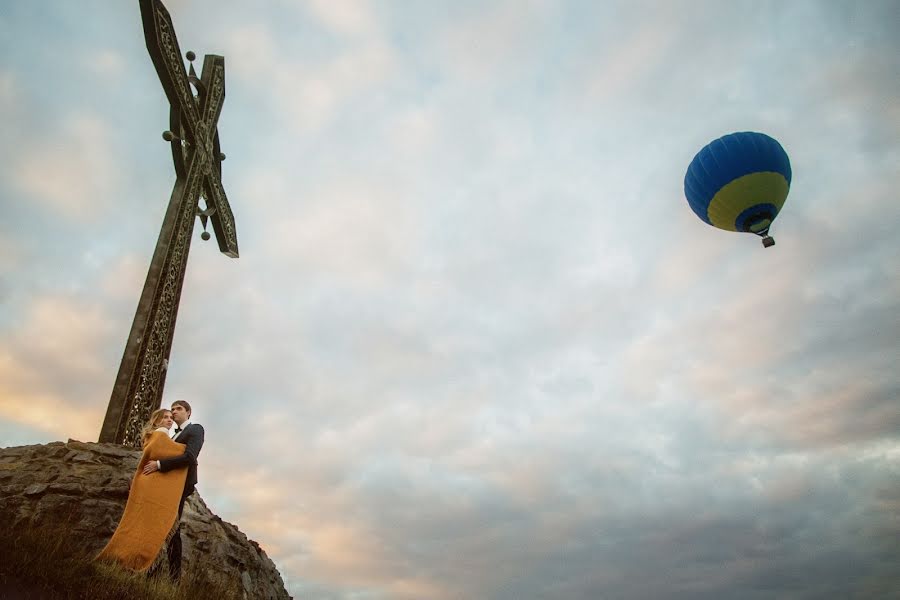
(739, 182)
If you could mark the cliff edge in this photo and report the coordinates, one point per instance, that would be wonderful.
(83, 487)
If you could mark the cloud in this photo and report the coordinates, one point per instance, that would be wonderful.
(397, 524)
(309, 92)
(355, 230)
(71, 175)
(10, 255)
(415, 132)
(9, 92)
(479, 44)
(795, 388)
(352, 17)
(45, 414)
(106, 63)
(53, 368)
(620, 65)
(122, 278)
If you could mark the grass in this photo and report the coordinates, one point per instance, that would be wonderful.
(49, 565)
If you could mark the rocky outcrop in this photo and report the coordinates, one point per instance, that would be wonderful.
(83, 487)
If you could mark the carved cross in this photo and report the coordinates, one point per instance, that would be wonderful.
(194, 139)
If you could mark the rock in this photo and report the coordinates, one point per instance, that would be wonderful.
(76, 489)
(35, 489)
(74, 456)
(84, 486)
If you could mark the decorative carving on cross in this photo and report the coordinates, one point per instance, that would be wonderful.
(194, 134)
(194, 138)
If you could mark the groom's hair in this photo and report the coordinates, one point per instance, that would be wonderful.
(183, 403)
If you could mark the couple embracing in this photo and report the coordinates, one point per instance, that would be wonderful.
(166, 475)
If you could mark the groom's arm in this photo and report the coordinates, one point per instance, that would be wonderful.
(193, 444)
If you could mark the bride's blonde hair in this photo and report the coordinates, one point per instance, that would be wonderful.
(153, 424)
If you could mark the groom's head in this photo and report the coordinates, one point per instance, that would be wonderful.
(181, 411)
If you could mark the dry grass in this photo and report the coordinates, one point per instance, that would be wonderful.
(48, 565)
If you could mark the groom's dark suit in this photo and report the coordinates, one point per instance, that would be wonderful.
(192, 437)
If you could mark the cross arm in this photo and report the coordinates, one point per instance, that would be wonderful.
(212, 89)
(159, 33)
(222, 218)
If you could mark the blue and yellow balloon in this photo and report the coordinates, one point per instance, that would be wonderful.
(739, 182)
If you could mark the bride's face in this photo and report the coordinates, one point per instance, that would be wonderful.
(166, 420)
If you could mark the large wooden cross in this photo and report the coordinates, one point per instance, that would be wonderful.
(194, 138)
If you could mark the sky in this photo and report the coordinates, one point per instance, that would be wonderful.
(476, 344)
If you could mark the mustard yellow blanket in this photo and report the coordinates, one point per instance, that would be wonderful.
(151, 509)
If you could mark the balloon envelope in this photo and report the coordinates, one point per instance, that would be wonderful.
(739, 182)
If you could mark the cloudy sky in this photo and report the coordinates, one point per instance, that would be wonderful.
(476, 344)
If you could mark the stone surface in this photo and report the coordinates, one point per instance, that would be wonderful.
(84, 486)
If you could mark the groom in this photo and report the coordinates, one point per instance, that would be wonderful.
(191, 435)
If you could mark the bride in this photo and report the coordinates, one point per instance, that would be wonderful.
(152, 506)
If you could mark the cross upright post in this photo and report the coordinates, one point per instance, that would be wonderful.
(194, 138)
